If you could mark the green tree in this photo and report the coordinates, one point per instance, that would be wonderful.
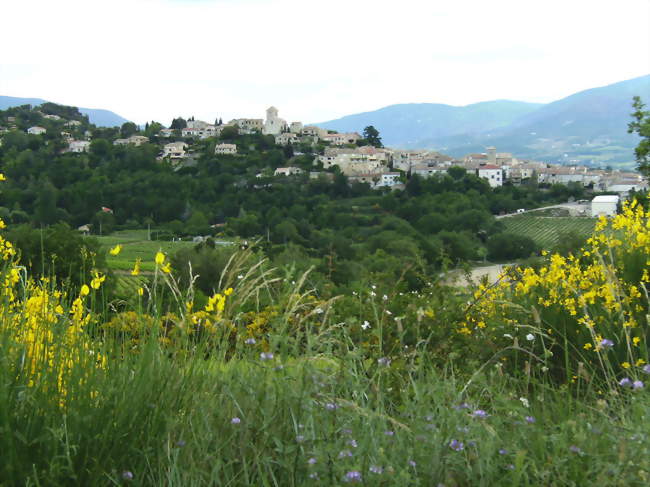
(178, 124)
(57, 251)
(128, 129)
(371, 134)
(641, 126)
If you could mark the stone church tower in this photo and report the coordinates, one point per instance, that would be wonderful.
(273, 125)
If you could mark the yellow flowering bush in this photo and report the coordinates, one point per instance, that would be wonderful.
(576, 315)
(44, 336)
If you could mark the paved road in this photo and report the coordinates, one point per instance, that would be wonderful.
(491, 271)
(575, 209)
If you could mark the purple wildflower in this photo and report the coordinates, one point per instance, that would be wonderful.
(389, 433)
(266, 356)
(479, 413)
(127, 475)
(646, 369)
(625, 382)
(637, 384)
(353, 476)
(353, 443)
(330, 406)
(376, 469)
(250, 341)
(345, 454)
(606, 343)
(412, 463)
(575, 449)
(503, 451)
(312, 461)
(456, 445)
(530, 419)
(180, 443)
(235, 420)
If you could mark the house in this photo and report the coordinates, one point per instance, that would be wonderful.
(166, 133)
(341, 139)
(136, 140)
(287, 171)
(388, 179)
(248, 125)
(605, 205)
(428, 170)
(73, 123)
(360, 160)
(493, 174)
(78, 146)
(225, 149)
(286, 138)
(200, 132)
(174, 150)
(313, 131)
(36, 130)
(296, 128)
(52, 117)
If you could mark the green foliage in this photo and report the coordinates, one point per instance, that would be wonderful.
(641, 126)
(509, 246)
(371, 134)
(57, 251)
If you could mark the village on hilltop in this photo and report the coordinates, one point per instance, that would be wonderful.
(377, 166)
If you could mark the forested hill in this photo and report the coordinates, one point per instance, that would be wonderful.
(344, 230)
(97, 116)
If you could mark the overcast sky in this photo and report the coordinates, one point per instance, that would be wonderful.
(314, 60)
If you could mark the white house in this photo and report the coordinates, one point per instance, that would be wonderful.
(493, 174)
(225, 149)
(604, 205)
(73, 123)
(388, 179)
(78, 146)
(36, 130)
(287, 171)
(174, 150)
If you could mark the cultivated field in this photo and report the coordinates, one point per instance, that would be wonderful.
(136, 246)
(546, 231)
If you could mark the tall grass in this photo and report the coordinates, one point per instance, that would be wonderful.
(279, 388)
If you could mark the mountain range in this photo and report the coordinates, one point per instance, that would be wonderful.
(588, 127)
(99, 117)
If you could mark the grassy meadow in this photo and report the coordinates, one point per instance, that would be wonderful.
(537, 380)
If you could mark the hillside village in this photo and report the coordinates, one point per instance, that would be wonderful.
(349, 153)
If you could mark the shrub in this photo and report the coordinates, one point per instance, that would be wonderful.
(579, 317)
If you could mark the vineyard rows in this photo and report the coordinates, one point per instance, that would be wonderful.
(546, 231)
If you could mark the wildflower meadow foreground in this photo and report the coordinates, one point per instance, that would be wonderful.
(539, 379)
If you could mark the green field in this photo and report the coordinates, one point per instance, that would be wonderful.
(546, 231)
(135, 245)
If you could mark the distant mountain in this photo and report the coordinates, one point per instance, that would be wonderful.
(587, 127)
(99, 117)
(407, 124)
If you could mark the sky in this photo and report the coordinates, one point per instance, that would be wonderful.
(313, 60)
